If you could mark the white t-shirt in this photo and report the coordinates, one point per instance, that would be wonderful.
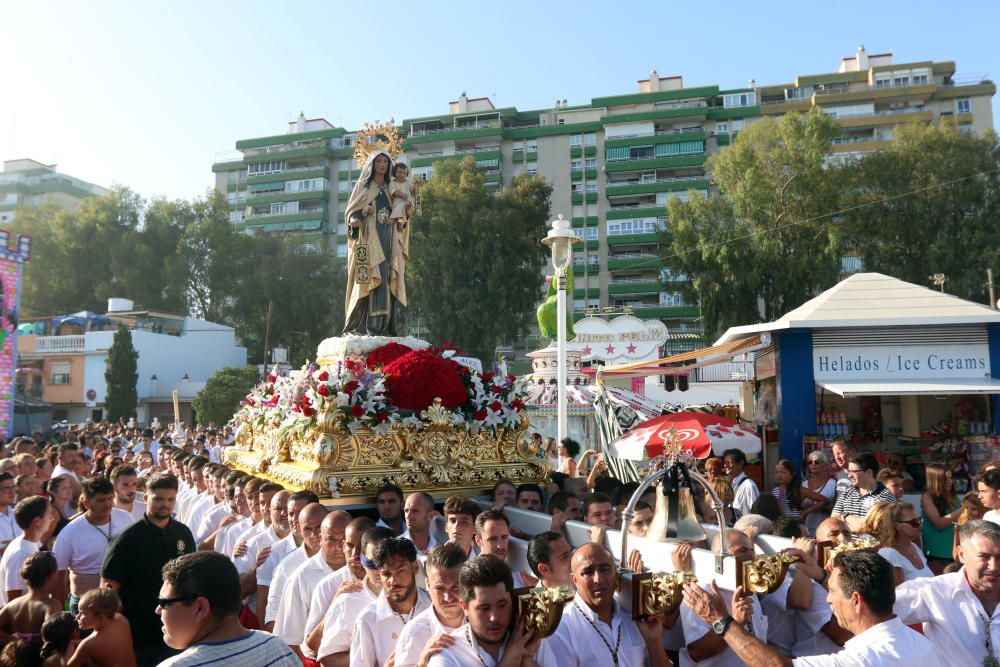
(992, 515)
(10, 565)
(322, 596)
(415, 636)
(279, 550)
(255, 545)
(8, 527)
(138, 510)
(224, 541)
(293, 610)
(888, 643)
(210, 520)
(339, 622)
(81, 545)
(276, 588)
(377, 630)
(60, 471)
(899, 560)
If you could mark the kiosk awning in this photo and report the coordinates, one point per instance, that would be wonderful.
(850, 389)
(681, 363)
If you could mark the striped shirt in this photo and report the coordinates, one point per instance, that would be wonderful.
(256, 648)
(852, 503)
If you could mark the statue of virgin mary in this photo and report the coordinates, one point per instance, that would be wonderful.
(376, 254)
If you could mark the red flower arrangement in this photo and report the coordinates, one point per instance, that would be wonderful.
(415, 379)
(385, 355)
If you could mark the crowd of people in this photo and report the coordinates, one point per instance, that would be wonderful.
(126, 547)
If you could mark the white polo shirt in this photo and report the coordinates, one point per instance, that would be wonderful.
(280, 549)
(798, 632)
(10, 565)
(8, 527)
(297, 592)
(695, 629)
(80, 545)
(466, 652)
(378, 630)
(322, 597)
(415, 636)
(279, 581)
(210, 520)
(431, 542)
(339, 621)
(224, 541)
(888, 643)
(954, 619)
(255, 545)
(583, 639)
(745, 492)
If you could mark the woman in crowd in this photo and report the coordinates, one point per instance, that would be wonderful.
(941, 510)
(723, 487)
(818, 480)
(791, 494)
(713, 468)
(551, 452)
(60, 492)
(897, 528)
(972, 509)
(569, 449)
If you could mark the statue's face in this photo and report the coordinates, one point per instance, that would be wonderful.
(381, 164)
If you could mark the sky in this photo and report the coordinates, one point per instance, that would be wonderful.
(147, 94)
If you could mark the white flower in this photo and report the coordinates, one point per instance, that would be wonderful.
(353, 425)
(413, 420)
(382, 429)
(342, 399)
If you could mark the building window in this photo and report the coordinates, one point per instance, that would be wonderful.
(574, 140)
(739, 100)
(235, 216)
(586, 233)
(963, 105)
(900, 82)
(590, 139)
(591, 163)
(60, 372)
(722, 128)
(919, 79)
(576, 164)
(268, 167)
(531, 171)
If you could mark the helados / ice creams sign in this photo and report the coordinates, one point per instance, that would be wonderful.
(906, 362)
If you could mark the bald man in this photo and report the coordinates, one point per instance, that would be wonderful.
(294, 608)
(833, 530)
(702, 641)
(585, 635)
(258, 548)
(310, 516)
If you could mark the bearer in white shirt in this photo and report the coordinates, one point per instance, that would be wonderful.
(125, 478)
(340, 620)
(293, 609)
(444, 563)
(493, 538)
(861, 594)
(380, 623)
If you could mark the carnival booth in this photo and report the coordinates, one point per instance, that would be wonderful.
(887, 365)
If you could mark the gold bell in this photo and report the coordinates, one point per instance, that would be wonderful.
(675, 519)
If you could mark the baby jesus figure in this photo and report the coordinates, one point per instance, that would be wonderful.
(402, 192)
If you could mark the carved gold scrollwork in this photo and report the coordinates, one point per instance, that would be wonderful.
(658, 594)
(827, 550)
(541, 609)
(764, 574)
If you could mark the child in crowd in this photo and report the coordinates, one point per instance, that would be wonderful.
(893, 480)
(23, 617)
(110, 644)
(60, 635)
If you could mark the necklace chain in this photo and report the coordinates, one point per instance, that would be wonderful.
(472, 644)
(990, 660)
(110, 536)
(403, 618)
(618, 641)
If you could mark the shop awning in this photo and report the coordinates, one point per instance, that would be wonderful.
(852, 388)
(681, 363)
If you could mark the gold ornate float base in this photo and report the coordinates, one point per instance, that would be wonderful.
(344, 468)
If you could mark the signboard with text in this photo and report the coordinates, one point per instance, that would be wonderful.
(624, 339)
(902, 362)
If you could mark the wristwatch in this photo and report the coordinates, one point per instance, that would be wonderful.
(721, 625)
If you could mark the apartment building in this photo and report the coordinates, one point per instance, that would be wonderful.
(613, 163)
(27, 183)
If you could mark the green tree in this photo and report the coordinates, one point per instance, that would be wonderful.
(765, 243)
(220, 398)
(475, 258)
(305, 286)
(121, 376)
(930, 203)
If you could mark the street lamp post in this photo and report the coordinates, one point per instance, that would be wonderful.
(560, 240)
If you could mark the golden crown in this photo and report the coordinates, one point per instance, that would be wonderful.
(377, 136)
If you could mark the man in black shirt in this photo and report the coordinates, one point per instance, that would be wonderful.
(134, 563)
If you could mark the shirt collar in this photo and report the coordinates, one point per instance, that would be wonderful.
(869, 636)
(738, 479)
(585, 609)
(383, 610)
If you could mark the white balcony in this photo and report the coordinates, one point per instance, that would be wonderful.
(59, 344)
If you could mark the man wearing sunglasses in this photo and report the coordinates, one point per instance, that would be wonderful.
(853, 504)
(199, 603)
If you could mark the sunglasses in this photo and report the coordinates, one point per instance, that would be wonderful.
(163, 603)
(814, 461)
(916, 523)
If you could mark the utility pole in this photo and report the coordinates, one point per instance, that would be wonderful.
(267, 335)
(992, 289)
